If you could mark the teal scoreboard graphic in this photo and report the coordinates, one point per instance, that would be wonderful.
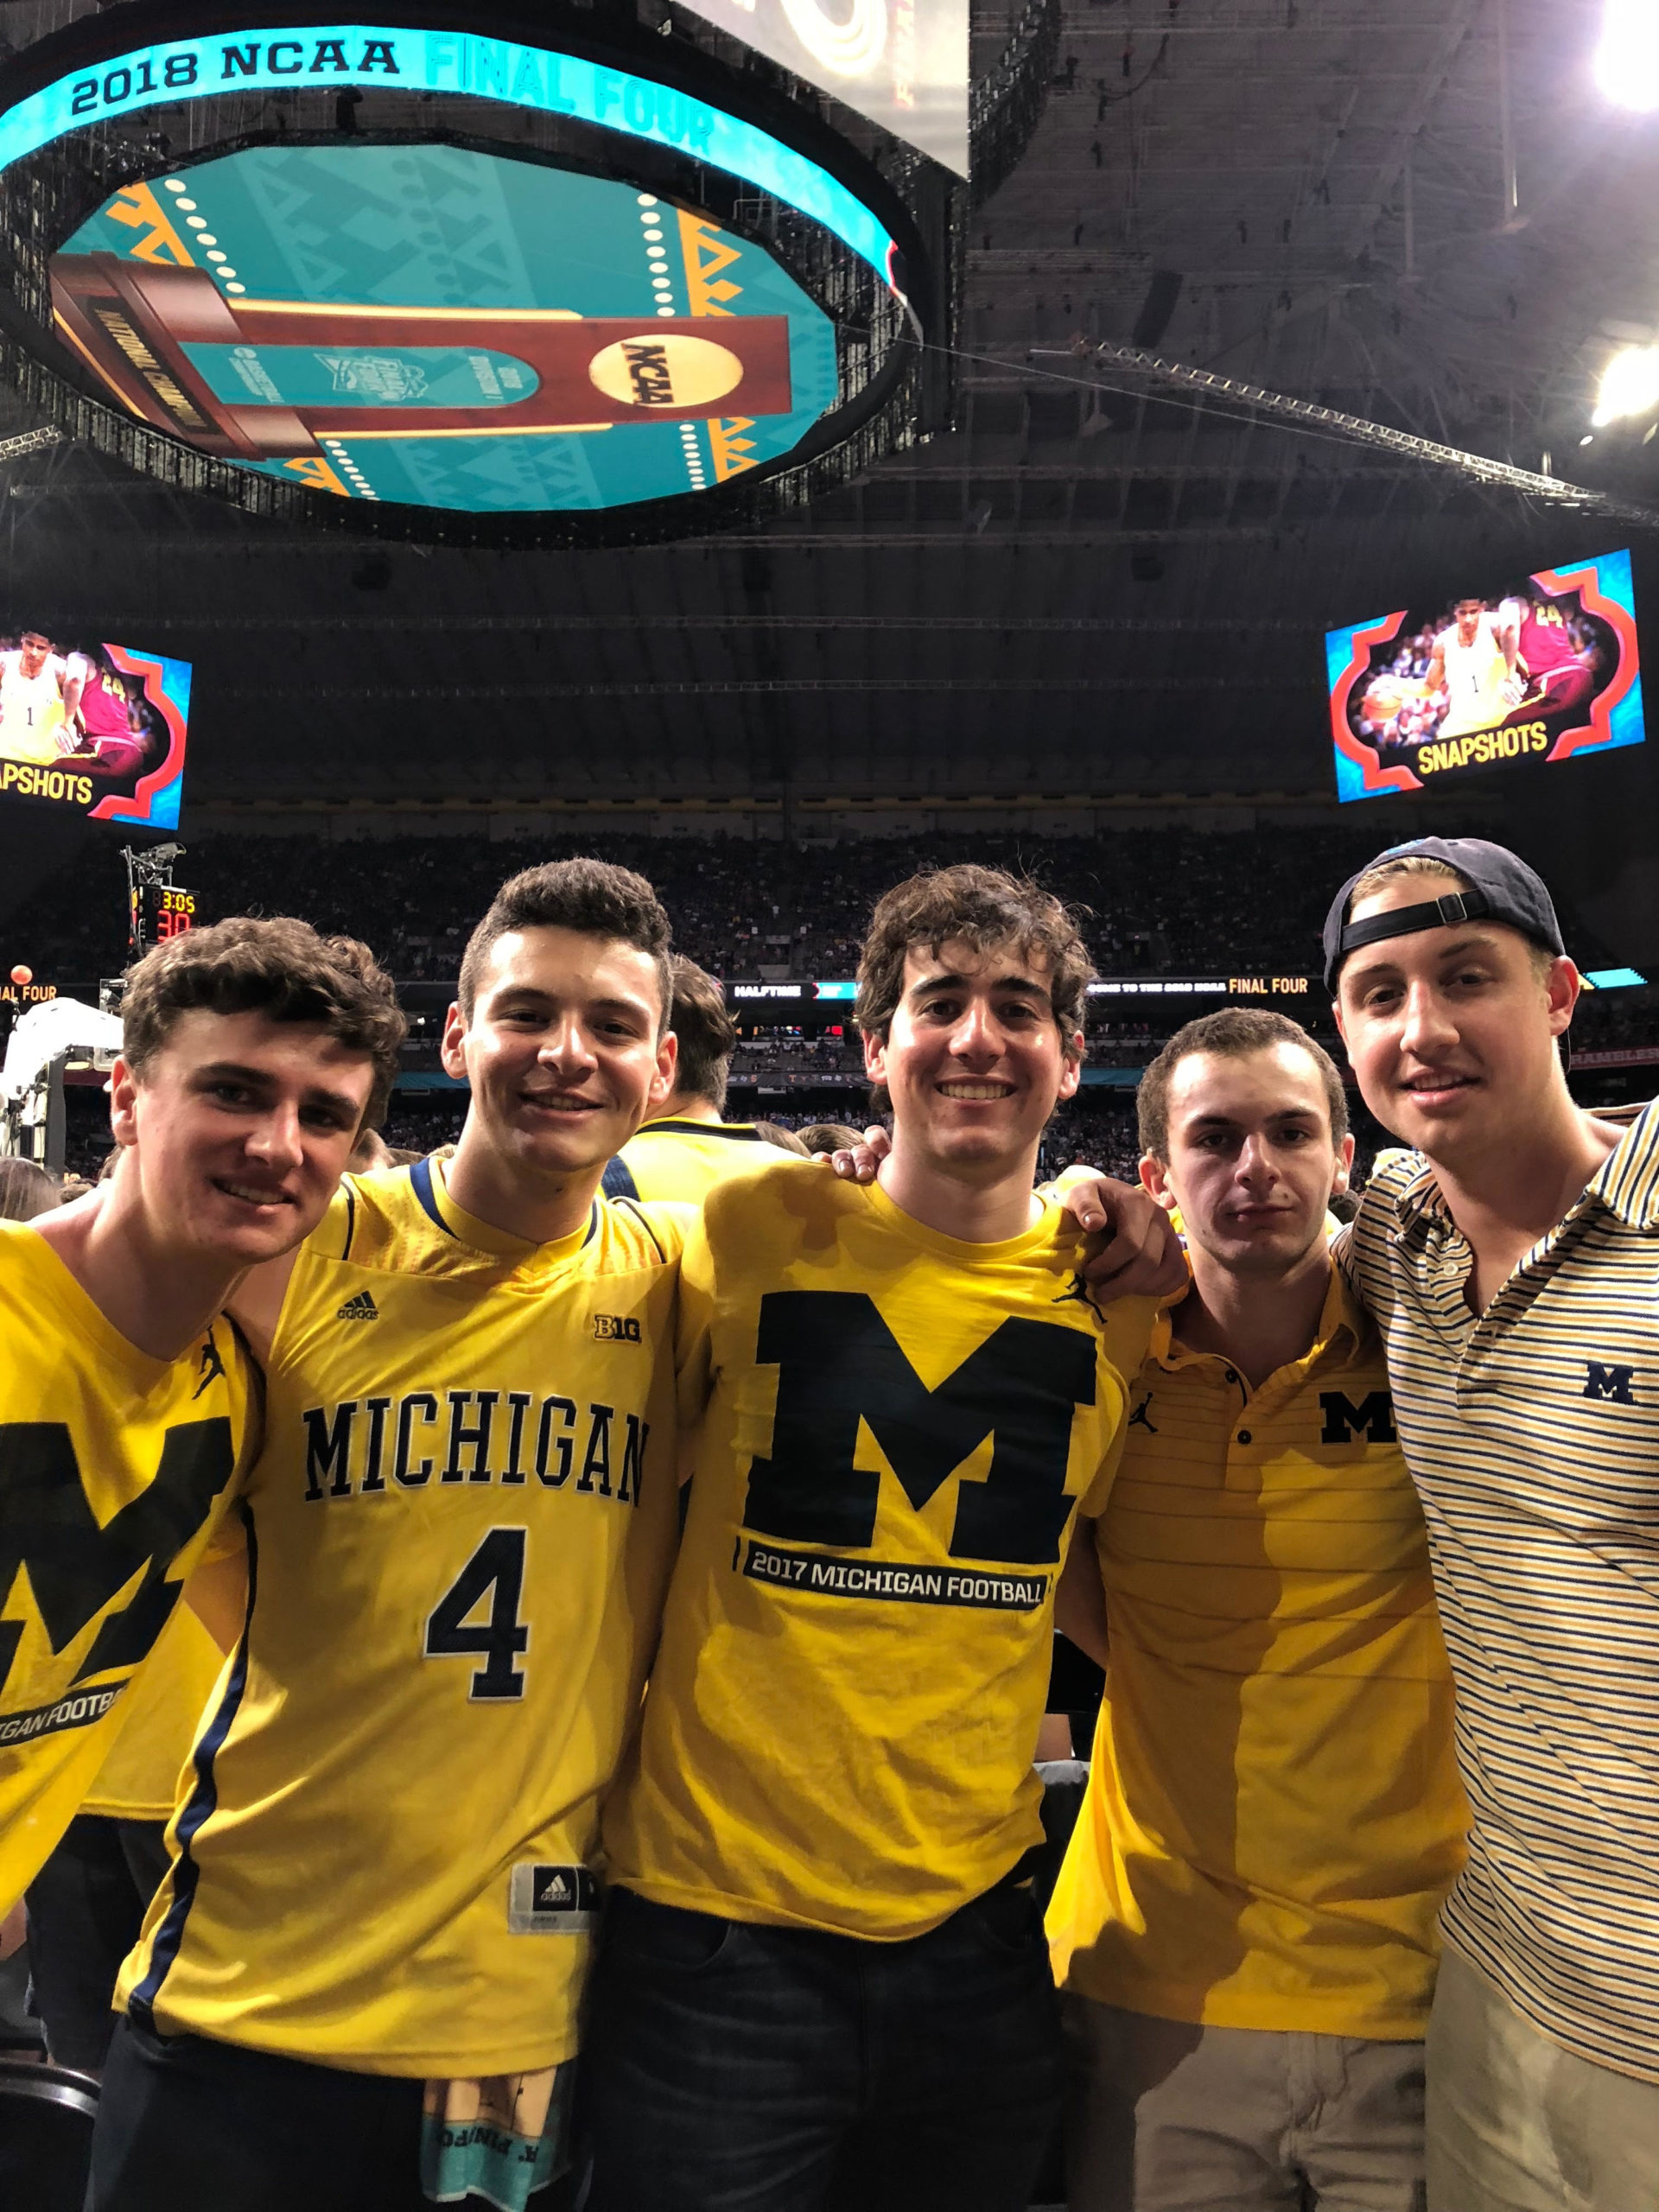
(444, 327)
(418, 267)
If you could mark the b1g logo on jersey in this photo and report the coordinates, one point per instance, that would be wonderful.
(617, 1328)
(839, 1364)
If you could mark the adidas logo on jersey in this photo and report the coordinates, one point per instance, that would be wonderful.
(360, 1308)
(552, 1901)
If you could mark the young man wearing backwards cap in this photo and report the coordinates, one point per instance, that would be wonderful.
(1513, 1262)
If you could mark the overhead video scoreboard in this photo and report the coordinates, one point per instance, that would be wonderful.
(464, 264)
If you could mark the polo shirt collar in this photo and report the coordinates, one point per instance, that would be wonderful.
(1341, 1330)
(1626, 1183)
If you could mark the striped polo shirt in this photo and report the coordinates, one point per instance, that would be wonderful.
(1532, 1431)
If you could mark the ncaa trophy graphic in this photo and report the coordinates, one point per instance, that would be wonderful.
(266, 380)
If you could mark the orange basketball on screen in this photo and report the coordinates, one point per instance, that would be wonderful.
(1386, 696)
(21, 974)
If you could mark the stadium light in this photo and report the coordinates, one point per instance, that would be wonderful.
(1627, 61)
(1629, 385)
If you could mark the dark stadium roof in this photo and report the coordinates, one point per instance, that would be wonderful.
(1095, 586)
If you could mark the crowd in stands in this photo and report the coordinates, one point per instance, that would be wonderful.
(1171, 901)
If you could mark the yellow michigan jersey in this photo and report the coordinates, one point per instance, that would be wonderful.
(457, 1533)
(841, 1723)
(673, 1158)
(157, 1724)
(114, 1469)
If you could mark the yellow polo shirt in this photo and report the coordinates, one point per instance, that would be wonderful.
(1274, 1813)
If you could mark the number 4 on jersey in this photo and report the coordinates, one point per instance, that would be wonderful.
(495, 1570)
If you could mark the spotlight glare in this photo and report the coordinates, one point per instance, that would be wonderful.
(1629, 385)
(1627, 61)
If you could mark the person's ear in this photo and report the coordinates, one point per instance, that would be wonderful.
(124, 1103)
(452, 1046)
(1154, 1181)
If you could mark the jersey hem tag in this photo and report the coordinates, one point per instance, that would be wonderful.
(551, 1900)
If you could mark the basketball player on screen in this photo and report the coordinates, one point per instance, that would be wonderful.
(38, 695)
(1468, 664)
(106, 736)
(1541, 655)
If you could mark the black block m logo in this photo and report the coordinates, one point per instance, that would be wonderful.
(75, 1568)
(1373, 1417)
(839, 1364)
(1609, 1381)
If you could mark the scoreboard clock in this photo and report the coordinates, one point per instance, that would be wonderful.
(159, 910)
(547, 279)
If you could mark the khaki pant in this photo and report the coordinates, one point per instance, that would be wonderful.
(1163, 2116)
(1516, 2124)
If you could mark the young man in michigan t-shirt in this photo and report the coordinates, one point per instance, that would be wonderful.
(253, 1054)
(820, 1966)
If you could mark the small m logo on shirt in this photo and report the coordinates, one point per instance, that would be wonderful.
(1606, 1381)
(1342, 1418)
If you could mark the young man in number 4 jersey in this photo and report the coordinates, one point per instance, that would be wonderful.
(458, 1535)
(253, 1054)
(820, 1970)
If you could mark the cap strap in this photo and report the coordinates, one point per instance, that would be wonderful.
(1405, 921)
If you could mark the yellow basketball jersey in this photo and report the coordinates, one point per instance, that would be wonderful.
(459, 1533)
(842, 1720)
(114, 1470)
(685, 1159)
(157, 1724)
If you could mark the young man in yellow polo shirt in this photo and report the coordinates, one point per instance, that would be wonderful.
(821, 1980)
(1244, 1927)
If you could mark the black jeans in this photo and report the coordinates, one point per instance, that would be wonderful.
(186, 2124)
(86, 1908)
(733, 2067)
(184, 2121)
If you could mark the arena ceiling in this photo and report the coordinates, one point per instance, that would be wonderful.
(1104, 582)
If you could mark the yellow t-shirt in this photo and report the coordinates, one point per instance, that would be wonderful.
(685, 1159)
(114, 1470)
(157, 1724)
(1274, 1813)
(841, 1722)
(459, 1533)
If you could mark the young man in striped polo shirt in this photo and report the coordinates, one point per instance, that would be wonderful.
(1244, 1927)
(1512, 1259)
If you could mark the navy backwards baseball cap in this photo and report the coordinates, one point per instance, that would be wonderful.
(1502, 889)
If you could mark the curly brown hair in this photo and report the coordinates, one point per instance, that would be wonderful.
(986, 909)
(281, 967)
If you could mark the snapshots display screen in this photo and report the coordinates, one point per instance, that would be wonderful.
(99, 729)
(1534, 670)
